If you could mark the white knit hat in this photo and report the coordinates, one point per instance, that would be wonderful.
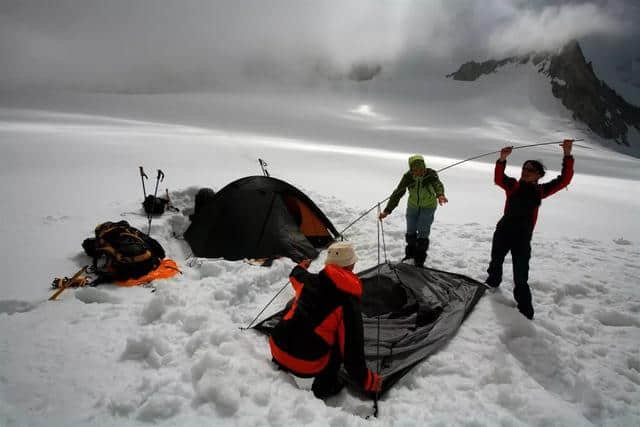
(342, 254)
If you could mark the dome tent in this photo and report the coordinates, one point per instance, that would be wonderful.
(420, 310)
(259, 217)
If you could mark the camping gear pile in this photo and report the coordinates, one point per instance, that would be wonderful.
(120, 251)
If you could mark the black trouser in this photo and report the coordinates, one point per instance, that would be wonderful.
(514, 236)
(326, 383)
(416, 248)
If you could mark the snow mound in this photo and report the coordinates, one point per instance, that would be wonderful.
(152, 350)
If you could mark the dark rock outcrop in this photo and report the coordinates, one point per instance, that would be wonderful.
(590, 99)
(470, 71)
(574, 82)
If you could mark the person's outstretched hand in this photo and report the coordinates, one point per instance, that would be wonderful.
(567, 144)
(305, 263)
(382, 215)
(504, 153)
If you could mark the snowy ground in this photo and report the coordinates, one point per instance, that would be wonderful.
(173, 353)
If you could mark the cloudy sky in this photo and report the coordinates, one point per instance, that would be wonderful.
(191, 43)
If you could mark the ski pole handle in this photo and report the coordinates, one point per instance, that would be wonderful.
(142, 178)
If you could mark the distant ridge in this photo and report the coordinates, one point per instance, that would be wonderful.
(574, 82)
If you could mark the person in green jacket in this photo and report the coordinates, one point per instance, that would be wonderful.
(425, 193)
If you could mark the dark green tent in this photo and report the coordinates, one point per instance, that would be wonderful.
(259, 217)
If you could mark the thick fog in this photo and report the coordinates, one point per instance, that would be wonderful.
(155, 45)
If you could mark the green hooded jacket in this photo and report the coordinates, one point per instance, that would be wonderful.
(423, 190)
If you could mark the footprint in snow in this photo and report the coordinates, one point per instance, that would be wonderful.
(51, 219)
(12, 306)
(621, 241)
(617, 319)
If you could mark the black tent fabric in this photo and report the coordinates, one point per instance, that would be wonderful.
(259, 217)
(419, 311)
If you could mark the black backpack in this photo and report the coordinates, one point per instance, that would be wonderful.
(122, 252)
(155, 205)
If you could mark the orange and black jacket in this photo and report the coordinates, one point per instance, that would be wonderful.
(325, 313)
(524, 199)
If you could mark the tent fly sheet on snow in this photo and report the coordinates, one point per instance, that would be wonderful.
(419, 310)
(259, 217)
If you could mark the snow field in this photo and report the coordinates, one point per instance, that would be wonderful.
(178, 352)
(173, 353)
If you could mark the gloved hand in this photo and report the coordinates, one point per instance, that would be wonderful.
(567, 144)
(305, 263)
(373, 383)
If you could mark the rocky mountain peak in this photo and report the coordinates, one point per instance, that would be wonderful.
(574, 82)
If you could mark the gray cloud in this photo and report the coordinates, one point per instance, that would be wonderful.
(552, 26)
(153, 44)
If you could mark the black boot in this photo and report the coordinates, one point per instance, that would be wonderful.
(410, 249)
(422, 246)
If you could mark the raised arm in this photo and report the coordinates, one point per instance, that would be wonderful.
(562, 180)
(499, 178)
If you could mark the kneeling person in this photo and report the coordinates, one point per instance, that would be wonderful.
(323, 328)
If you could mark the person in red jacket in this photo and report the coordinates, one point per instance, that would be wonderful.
(515, 228)
(323, 327)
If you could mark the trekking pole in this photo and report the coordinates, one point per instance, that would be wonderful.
(159, 179)
(143, 176)
(264, 165)
(265, 307)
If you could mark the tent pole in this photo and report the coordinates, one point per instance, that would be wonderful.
(375, 398)
(456, 164)
(515, 148)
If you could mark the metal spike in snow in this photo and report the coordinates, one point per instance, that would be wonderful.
(264, 165)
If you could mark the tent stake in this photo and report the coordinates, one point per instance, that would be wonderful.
(264, 165)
